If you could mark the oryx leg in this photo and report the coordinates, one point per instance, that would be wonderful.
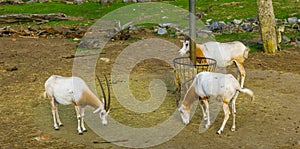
(57, 115)
(241, 73)
(205, 101)
(78, 109)
(82, 121)
(201, 103)
(234, 110)
(54, 107)
(226, 113)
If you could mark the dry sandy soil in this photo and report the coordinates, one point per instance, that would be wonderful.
(271, 121)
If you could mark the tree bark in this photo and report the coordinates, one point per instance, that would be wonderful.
(267, 25)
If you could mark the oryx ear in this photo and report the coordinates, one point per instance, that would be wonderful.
(182, 41)
(97, 110)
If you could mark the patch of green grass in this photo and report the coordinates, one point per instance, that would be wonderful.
(222, 10)
(284, 9)
(247, 36)
(235, 36)
(290, 35)
(227, 10)
(255, 47)
(88, 10)
(147, 25)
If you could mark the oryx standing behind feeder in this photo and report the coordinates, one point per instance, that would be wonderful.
(225, 54)
(73, 90)
(211, 85)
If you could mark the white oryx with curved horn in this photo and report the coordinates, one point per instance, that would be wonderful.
(224, 53)
(73, 90)
(211, 85)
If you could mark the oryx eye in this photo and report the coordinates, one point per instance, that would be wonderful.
(186, 44)
(102, 113)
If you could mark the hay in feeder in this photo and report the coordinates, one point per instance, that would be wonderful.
(185, 70)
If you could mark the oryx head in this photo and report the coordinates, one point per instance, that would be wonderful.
(185, 46)
(104, 108)
(185, 115)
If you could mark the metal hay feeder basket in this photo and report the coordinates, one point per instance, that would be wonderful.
(186, 70)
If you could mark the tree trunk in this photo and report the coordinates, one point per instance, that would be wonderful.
(267, 25)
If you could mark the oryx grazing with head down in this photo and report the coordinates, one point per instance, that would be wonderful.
(74, 90)
(224, 53)
(211, 85)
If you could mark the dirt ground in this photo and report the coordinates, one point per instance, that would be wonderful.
(271, 121)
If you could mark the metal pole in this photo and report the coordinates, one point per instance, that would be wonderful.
(192, 14)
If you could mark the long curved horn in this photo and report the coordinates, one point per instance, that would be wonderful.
(103, 93)
(108, 92)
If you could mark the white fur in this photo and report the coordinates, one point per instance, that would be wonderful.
(72, 90)
(225, 54)
(214, 86)
(185, 115)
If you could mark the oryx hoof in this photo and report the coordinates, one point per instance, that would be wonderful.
(232, 128)
(84, 130)
(219, 132)
(56, 128)
(80, 133)
(206, 125)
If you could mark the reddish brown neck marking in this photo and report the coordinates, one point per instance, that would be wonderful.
(189, 98)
